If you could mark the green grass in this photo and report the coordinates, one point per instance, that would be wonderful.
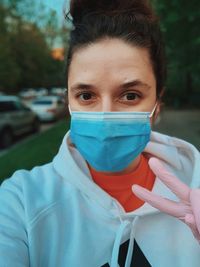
(35, 151)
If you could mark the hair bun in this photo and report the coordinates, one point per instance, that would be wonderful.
(80, 8)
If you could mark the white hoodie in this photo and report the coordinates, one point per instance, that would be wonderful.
(55, 215)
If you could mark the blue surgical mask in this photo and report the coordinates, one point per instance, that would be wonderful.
(110, 141)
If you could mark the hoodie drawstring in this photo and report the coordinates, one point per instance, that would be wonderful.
(116, 247)
(131, 243)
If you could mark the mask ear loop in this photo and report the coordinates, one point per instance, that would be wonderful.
(152, 113)
(69, 109)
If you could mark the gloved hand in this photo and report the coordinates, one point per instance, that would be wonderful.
(186, 210)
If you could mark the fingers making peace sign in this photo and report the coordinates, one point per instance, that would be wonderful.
(188, 207)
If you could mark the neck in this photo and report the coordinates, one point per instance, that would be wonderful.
(131, 167)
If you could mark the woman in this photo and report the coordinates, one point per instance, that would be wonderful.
(83, 209)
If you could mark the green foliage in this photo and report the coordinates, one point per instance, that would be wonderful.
(26, 41)
(180, 21)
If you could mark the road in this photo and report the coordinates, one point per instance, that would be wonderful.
(184, 124)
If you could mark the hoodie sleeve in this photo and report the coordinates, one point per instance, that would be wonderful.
(13, 234)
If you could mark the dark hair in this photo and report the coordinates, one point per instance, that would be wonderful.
(130, 20)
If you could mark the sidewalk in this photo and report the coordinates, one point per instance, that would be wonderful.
(184, 124)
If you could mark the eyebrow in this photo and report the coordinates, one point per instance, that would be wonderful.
(84, 86)
(135, 83)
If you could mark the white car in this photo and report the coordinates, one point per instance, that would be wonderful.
(49, 108)
(39, 92)
(58, 91)
(15, 119)
(27, 93)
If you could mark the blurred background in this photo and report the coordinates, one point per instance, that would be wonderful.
(33, 43)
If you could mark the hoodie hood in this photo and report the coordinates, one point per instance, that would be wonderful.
(179, 156)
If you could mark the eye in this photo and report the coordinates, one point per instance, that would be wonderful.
(131, 96)
(85, 96)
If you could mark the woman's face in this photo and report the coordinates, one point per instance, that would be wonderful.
(111, 75)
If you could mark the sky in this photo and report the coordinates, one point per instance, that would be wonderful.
(55, 4)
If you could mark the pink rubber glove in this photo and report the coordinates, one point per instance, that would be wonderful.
(186, 210)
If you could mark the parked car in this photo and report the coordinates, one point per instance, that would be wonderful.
(58, 91)
(27, 94)
(49, 108)
(39, 92)
(15, 119)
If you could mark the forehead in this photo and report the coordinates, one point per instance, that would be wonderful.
(111, 60)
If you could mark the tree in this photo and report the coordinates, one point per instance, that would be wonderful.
(180, 21)
(9, 71)
(25, 46)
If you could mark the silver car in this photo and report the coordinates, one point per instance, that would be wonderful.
(49, 108)
(15, 119)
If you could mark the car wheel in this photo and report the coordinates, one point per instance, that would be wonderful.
(36, 126)
(6, 138)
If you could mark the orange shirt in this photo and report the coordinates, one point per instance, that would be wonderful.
(119, 186)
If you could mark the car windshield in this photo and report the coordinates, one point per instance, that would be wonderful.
(6, 106)
(43, 102)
